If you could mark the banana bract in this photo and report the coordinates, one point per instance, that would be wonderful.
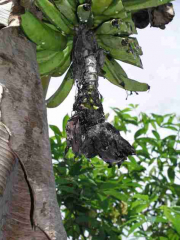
(113, 24)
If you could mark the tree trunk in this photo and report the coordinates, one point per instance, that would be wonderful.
(28, 204)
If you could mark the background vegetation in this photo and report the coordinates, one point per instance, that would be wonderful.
(141, 199)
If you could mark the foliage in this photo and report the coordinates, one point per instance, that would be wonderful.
(141, 199)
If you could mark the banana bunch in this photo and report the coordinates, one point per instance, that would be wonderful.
(111, 20)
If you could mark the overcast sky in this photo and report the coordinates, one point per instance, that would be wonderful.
(161, 61)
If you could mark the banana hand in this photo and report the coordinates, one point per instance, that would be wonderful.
(119, 48)
(132, 5)
(99, 6)
(113, 9)
(66, 9)
(116, 75)
(60, 95)
(115, 27)
(58, 60)
(41, 34)
(53, 15)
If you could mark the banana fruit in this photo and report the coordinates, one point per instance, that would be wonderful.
(116, 75)
(54, 62)
(120, 49)
(136, 5)
(62, 69)
(41, 34)
(114, 8)
(53, 15)
(60, 95)
(99, 6)
(84, 12)
(66, 9)
(115, 27)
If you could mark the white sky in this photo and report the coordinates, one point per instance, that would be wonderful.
(161, 61)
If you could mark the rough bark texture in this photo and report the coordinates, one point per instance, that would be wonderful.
(28, 207)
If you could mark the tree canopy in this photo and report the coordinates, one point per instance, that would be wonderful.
(141, 199)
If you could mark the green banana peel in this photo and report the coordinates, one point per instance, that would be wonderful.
(114, 46)
(117, 76)
(53, 15)
(62, 69)
(39, 33)
(66, 9)
(114, 27)
(45, 55)
(99, 6)
(115, 7)
(58, 60)
(63, 91)
(136, 5)
(83, 13)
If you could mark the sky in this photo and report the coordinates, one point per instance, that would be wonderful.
(161, 62)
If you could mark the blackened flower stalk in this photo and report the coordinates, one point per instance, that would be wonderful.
(87, 131)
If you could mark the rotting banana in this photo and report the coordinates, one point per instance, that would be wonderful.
(41, 34)
(66, 9)
(119, 48)
(53, 15)
(116, 75)
(55, 62)
(60, 95)
(99, 6)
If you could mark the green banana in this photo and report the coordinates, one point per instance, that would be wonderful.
(116, 75)
(99, 6)
(115, 27)
(62, 69)
(84, 12)
(53, 15)
(50, 66)
(113, 9)
(60, 95)
(73, 4)
(119, 48)
(66, 9)
(45, 84)
(128, 19)
(132, 5)
(45, 55)
(41, 34)
(99, 19)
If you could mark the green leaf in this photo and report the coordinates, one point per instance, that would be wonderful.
(171, 174)
(156, 134)
(141, 196)
(135, 226)
(65, 120)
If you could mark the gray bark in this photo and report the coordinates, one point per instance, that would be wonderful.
(28, 205)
